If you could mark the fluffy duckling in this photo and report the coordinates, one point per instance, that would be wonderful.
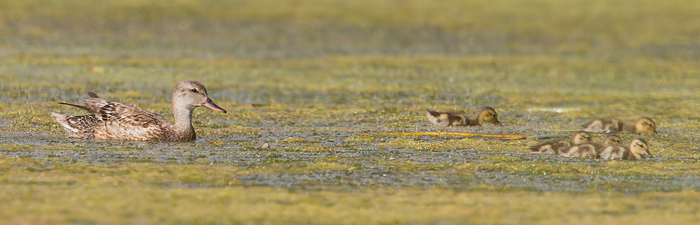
(487, 114)
(637, 150)
(590, 150)
(553, 147)
(611, 125)
(611, 140)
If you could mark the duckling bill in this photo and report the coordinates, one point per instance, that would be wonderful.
(114, 120)
(487, 114)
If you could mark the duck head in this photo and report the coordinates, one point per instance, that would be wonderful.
(190, 94)
(489, 114)
(612, 139)
(639, 146)
(645, 125)
(581, 137)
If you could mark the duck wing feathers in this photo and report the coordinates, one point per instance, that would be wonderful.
(118, 121)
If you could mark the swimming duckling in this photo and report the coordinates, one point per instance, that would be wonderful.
(590, 150)
(487, 114)
(637, 150)
(113, 120)
(611, 140)
(553, 147)
(610, 125)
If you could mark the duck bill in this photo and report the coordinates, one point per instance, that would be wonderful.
(211, 105)
(649, 154)
(498, 123)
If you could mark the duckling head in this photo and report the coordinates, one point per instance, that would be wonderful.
(645, 125)
(612, 139)
(581, 137)
(190, 94)
(640, 147)
(489, 114)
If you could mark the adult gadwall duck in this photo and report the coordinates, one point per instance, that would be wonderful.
(611, 125)
(637, 150)
(553, 147)
(114, 120)
(590, 150)
(487, 114)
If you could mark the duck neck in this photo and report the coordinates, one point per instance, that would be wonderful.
(630, 128)
(183, 123)
(634, 156)
(479, 119)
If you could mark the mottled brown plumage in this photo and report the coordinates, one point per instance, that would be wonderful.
(612, 125)
(113, 120)
(487, 114)
(553, 147)
(637, 150)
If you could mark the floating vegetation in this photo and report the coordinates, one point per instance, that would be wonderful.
(327, 105)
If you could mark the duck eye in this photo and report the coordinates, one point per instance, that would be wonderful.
(194, 90)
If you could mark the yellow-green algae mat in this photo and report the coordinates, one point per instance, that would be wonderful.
(39, 193)
(328, 78)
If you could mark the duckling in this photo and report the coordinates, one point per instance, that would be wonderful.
(487, 114)
(553, 147)
(611, 125)
(590, 150)
(637, 150)
(113, 120)
(611, 140)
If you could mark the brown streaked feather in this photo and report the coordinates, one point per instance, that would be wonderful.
(77, 126)
(119, 121)
(113, 120)
(74, 105)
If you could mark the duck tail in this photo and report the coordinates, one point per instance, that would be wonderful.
(435, 118)
(433, 113)
(92, 94)
(63, 120)
(58, 117)
(74, 105)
